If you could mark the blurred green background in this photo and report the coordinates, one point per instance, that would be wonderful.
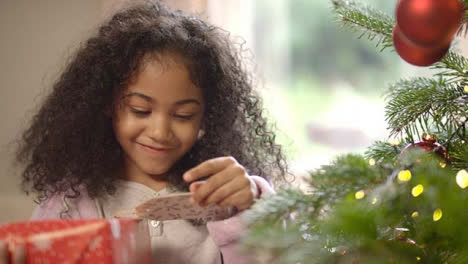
(328, 98)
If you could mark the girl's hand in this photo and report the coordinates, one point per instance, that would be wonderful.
(228, 184)
(19, 254)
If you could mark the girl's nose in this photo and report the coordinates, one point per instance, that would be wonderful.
(160, 128)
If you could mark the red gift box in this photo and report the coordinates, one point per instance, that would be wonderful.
(81, 241)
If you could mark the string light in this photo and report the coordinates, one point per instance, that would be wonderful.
(462, 179)
(415, 214)
(437, 215)
(374, 201)
(417, 190)
(372, 162)
(404, 175)
(395, 142)
(359, 195)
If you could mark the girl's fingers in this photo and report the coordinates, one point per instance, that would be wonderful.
(208, 168)
(242, 200)
(19, 254)
(3, 252)
(194, 187)
(226, 190)
(215, 182)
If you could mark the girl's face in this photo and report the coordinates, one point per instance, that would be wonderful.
(158, 117)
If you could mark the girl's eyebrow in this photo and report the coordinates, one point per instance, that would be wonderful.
(188, 101)
(145, 97)
(149, 99)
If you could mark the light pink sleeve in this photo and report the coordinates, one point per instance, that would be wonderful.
(226, 233)
(52, 208)
(48, 209)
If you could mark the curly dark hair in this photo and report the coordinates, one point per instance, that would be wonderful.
(70, 141)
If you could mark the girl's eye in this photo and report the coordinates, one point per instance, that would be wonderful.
(139, 112)
(184, 117)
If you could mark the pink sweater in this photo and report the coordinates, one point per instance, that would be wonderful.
(225, 233)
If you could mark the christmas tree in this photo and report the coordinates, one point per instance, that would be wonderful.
(403, 201)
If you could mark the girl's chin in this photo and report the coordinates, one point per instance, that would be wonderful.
(156, 172)
(160, 172)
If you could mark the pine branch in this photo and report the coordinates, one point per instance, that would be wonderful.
(456, 144)
(362, 18)
(459, 154)
(277, 208)
(416, 103)
(455, 65)
(383, 152)
(276, 227)
(290, 210)
(369, 226)
(344, 176)
(365, 228)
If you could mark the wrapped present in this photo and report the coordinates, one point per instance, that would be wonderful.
(81, 241)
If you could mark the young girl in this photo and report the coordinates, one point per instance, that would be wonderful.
(156, 102)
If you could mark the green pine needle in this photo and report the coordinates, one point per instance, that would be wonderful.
(372, 23)
(418, 105)
(453, 66)
(384, 152)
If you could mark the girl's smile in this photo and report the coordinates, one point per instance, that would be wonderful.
(155, 150)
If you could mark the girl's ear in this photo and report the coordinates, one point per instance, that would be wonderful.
(201, 133)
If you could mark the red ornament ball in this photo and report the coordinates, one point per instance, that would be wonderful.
(428, 143)
(414, 54)
(429, 22)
